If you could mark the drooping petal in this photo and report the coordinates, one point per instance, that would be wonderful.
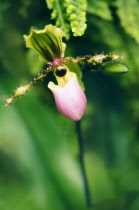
(70, 99)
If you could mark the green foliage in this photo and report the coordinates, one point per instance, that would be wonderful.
(34, 64)
(99, 8)
(41, 160)
(69, 12)
(129, 17)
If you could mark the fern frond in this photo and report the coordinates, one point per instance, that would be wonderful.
(99, 8)
(69, 13)
(76, 12)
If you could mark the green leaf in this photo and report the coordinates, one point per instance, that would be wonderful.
(47, 42)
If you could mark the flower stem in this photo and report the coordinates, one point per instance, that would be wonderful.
(81, 157)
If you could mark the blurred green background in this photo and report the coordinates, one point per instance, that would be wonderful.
(39, 164)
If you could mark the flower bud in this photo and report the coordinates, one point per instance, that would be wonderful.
(114, 68)
(69, 96)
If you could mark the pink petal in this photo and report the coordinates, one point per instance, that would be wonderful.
(70, 99)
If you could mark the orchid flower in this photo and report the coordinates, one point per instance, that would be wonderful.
(69, 93)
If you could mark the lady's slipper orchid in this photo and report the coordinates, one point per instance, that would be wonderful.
(69, 93)
(69, 96)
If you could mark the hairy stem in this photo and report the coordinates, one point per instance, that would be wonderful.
(81, 157)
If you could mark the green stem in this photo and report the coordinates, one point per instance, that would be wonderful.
(81, 157)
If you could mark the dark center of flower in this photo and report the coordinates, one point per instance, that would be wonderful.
(61, 71)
